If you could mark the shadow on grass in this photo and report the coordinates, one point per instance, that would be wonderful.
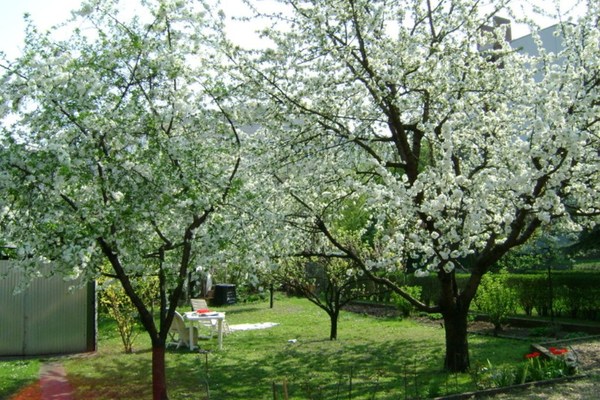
(379, 358)
(118, 378)
(237, 311)
(321, 369)
(312, 368)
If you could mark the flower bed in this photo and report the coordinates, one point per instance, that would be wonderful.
(541, 366)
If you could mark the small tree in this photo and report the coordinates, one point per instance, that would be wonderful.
(121, 309)
(328, 283)
(123, 312)
(496, 299)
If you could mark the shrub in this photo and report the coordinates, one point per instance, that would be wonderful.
(496, 299)
(403, 305)
(574, 294)
(525, 297)
(121, 309)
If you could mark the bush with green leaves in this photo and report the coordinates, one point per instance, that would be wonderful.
(404, 305)
(120, 308)
(496, 299)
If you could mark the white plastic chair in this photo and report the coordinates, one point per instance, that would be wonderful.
(200, 304)
(180, 334)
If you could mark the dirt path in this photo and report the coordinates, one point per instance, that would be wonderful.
(52, 385)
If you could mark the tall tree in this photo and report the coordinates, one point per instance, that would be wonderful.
(118, 145)
(456, 144)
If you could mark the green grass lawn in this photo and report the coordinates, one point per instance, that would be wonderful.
(15, 374)
(374, 358)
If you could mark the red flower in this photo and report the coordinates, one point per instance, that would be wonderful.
(533, 355)
(556, 351)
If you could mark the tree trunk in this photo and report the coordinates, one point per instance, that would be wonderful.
(457, 346)
(159, 378)
(333, 316)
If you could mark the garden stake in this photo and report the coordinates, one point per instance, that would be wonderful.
(447, 384)
(285, 390)
(375, 389)
(350, 388)
(455, 381)
(405, 382)
(205, 352)
(416, 381)
(339, 386)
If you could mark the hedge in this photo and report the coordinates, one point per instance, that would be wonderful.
(572, 294)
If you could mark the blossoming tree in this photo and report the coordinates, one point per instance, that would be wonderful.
(118, 147)
(446, 136)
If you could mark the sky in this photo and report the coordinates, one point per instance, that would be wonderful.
(46, 13)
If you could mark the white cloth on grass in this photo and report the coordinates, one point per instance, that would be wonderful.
(249, 327)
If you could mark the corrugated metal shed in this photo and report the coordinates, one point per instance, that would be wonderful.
(49, 317)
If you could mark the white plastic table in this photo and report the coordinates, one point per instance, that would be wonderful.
(195, 320)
